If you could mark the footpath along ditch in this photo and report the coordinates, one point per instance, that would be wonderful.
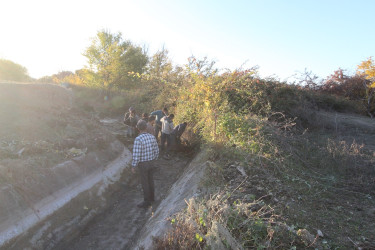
(97, 209)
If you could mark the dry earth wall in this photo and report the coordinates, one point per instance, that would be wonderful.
(70, 194)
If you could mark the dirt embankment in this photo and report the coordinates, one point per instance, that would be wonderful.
(47, 148)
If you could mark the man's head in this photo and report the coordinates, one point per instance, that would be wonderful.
(171, 116)
(141, 125)
(145, 116)
(165, 110)
(151, 119)
(132, 110)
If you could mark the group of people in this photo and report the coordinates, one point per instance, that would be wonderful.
(146, 150)
(158, 122)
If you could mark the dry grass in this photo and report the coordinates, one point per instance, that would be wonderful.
(314, 180)
(218, 222)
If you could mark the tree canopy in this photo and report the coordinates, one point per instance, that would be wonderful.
(11, 71)
(367, 69)
(112, 58)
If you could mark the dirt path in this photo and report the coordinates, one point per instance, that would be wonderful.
(116, 227)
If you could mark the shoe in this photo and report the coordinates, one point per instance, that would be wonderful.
(144, 205)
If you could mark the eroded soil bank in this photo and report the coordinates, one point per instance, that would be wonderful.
(50, 152)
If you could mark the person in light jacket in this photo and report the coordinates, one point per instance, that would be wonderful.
(166, 132)
(159, 114)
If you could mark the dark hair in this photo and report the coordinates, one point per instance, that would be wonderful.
(151, 118)
(171, 116)
(165, 110)
(141, 125)
(144, 115)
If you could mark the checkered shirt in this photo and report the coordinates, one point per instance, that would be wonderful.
(145, 149)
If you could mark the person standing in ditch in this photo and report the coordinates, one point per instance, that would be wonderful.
(159, 114)
(130, 119)
(150, 125)
(178, 131)
(145, 152)
(166, 134)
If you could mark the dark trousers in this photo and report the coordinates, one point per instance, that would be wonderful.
(147, 181)
(166, 138)
(177, 140)
(157, 130)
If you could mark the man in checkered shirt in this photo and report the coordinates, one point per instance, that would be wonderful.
(145, 151)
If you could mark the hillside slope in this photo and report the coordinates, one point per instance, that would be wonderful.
(321, 179)
(318, 184)
(47, 147)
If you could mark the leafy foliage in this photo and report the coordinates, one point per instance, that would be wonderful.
(343, 85)
(160, 65)
(111, 59)
(359, 87)
(367, 69)
(11, 71)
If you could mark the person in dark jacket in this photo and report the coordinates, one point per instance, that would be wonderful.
(130, 119)
(145, 117)
(150, 125)
(178, 131)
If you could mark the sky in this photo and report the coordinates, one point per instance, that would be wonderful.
(281, 37)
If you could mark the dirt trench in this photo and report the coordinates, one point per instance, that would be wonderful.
(118, 224)
(116, 227)
(106, 215)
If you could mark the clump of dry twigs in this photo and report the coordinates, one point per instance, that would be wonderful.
(215, 223)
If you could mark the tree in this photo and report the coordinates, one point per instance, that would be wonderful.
(134, 60)
(307, 79)
(160, 64)
(341, 84)
(11, 71)
(112, 59)
(367, 70)
(203, 67)
(61, 76)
